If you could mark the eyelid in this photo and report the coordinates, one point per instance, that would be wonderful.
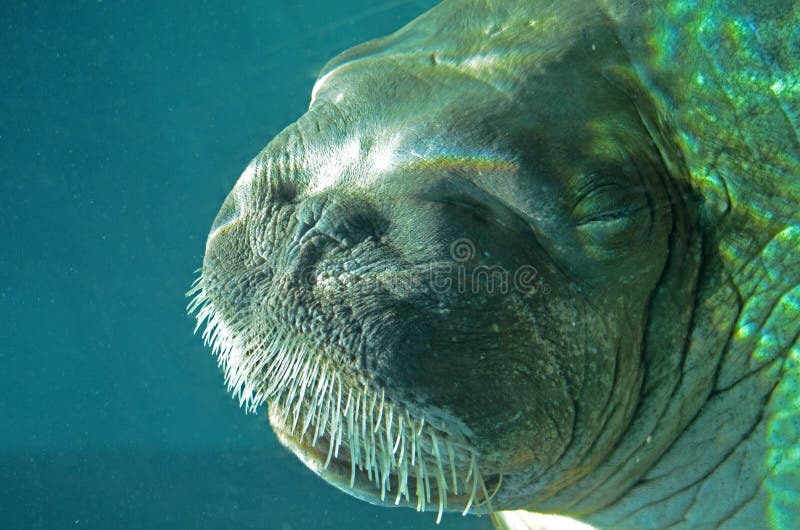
(485, 206)
(593, 183)
(612, 215)
(460, 200)
(480, 211)
(605, 200)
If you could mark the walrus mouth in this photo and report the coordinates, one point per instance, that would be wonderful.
(341, 425)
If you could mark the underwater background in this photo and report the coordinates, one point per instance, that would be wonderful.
(123, 125)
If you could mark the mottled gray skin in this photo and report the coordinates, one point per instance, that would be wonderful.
(640, 384)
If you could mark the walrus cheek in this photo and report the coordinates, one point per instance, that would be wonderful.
(528, 437)
(507, 385)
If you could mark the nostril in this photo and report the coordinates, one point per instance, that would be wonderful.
(307, 215)
(347, 221)
(228, 213)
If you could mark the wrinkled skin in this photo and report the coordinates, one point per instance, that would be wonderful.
(551, 157)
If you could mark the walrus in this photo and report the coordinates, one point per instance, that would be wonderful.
(525, 258)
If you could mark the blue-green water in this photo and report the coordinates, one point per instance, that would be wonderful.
(122, 127)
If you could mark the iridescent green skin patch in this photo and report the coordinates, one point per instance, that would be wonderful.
(533, 256)
(727, 77)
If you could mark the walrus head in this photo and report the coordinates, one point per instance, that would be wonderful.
(441, 278)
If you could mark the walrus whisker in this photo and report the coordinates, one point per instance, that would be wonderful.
(373, 457)
(314, 407)
(347, 413)
(441, 482)
(386, 485)
(389, 418)
(401, 478)
(306, 380)
(292, 383)
(350, 440)
(451, 457)
(328, 403)
(302, 390)
(333, 424)
(338, 416)
(274, 368)
(321, 383)
(355, 436)
(441, 504)
(413, 440)
(406, 493)
(194, 288)
(400, 433)
(333, 416)
(420, 493)
(403, 472)
(310, 377)
(425, 477)
(487, 500)
(330, 446)
(365, 440)
(383, 470)
(363, 404)
(390, 465)
(349, 397)
(276, 375)
(294, 368)
(474, 485)
(380, 413)
(352, 467)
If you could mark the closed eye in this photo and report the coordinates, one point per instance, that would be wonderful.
(604, 200)
(612, 216)
(466, 198)
(599, 183)
(477, 210)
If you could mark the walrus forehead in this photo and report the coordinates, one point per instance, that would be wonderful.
(515, 36)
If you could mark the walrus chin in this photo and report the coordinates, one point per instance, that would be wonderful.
(343, 426)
